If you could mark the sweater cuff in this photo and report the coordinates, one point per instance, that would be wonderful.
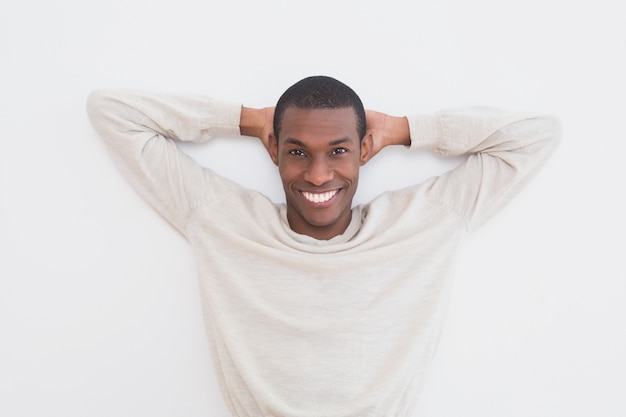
(426, 131)
(225, 119)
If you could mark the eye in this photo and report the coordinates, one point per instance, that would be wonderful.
(339, 151)
(296, 152)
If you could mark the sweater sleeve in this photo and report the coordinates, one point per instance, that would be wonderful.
(140, 128)
(504, 151)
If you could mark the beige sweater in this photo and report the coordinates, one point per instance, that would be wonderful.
(306, 328)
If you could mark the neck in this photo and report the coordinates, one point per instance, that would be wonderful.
(322, 232)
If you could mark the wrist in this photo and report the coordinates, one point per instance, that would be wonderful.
(398, 131)
(250, 122)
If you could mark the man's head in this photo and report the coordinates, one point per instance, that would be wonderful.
(320, 92)
(319, 145)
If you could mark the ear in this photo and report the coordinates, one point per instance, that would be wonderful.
(366, 149)
(272, 148)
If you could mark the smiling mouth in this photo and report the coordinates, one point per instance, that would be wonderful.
(319, 198)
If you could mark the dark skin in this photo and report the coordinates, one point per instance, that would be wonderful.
(318, 153)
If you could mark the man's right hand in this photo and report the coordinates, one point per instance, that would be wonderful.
(257, 123)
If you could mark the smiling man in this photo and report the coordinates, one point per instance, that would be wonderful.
(316, 307)
(319, 157)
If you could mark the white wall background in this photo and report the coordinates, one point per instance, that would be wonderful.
(99, 313)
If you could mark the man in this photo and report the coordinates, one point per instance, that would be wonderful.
(315, 307)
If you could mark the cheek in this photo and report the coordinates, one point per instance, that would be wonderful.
(289, 172)
(349, 170)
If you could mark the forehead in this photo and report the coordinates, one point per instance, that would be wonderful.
(301, 124)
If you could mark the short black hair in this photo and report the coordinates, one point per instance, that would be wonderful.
(320, 92)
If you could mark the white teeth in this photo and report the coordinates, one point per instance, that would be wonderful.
(319, 197)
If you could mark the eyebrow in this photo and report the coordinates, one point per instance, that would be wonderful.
(335, 142)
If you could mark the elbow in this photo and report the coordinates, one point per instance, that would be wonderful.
(554, 130)
(97, 104)
(546, 130)
(105, 110)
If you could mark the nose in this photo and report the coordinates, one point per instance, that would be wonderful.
(318, 172)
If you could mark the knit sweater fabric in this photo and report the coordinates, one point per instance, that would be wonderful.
(300, 327)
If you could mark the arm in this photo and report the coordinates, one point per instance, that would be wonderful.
(258, 123)
(139, 130)
(504, 151)
(385, 130)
